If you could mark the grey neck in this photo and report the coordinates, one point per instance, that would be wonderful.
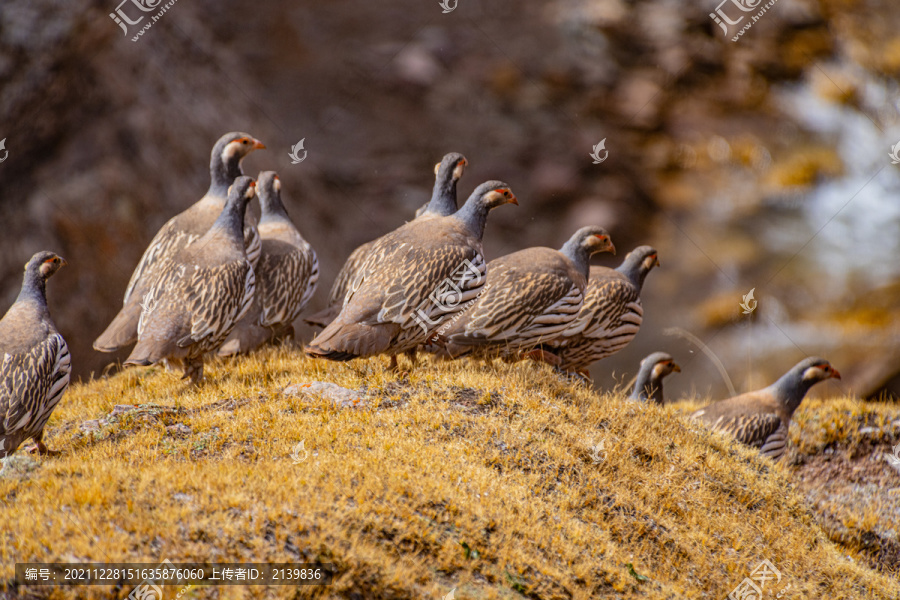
(646, 387)
(443, 197)
(474, 215)
(578, 254)
(223, 173)
(34, 289)
(632, 268)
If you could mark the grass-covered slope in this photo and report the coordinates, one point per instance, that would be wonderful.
(500, 482)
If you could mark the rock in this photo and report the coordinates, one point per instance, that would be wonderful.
(341, 397)
(179, 430)
(19, 465)
(90, 426)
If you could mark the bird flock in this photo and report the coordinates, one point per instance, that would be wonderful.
(215, 281)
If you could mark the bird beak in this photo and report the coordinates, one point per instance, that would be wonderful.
(514, 200)
(676, 368)
(258, 145)
(657, 262)
(612, 248)
(835, 374)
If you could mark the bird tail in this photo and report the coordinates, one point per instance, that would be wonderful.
(142, 355)
(122, 331)
(345, 341)
(324, 317)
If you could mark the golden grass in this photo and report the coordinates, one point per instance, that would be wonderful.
(457, 476)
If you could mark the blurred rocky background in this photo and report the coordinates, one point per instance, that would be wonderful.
(757, 164)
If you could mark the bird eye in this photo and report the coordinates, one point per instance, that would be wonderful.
(245, 141)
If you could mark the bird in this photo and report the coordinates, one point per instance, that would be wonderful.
(530, 297)
(182, 230)
(35, 365)
(610, 317)
(286, 276)
(761, 418)
(413, 279)
(200, 293)
(443, 203)
(649, 383)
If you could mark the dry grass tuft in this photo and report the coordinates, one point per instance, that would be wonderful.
(501, 482)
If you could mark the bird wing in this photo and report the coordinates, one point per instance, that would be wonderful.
(216, 298)
(612, 311)
(166, 243)
(750, 418)
(32, 383)
(252, 242)
(284, 281)
(347, 274)
(410, 271)
(522, 303)
(751, 429)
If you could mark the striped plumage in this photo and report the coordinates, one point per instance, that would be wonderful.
(34, 360)
(761, 418)
(530, 297)
(286, 276)
(649, 382)
(200, 293)
(413, 280)
(443, 203)
(180, 231)
(611, 315)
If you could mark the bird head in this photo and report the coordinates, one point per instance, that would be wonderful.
(451, 166)
(594, 239)
(663, 364)
(495, 193)
(268, 189)
(236, 145)
(46, 263)
(243, 188)
(815, 369)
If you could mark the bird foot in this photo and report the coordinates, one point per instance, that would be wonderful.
(194, 372)
(543, 356)
(41, 449)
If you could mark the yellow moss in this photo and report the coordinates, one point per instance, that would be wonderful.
(493, 491)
